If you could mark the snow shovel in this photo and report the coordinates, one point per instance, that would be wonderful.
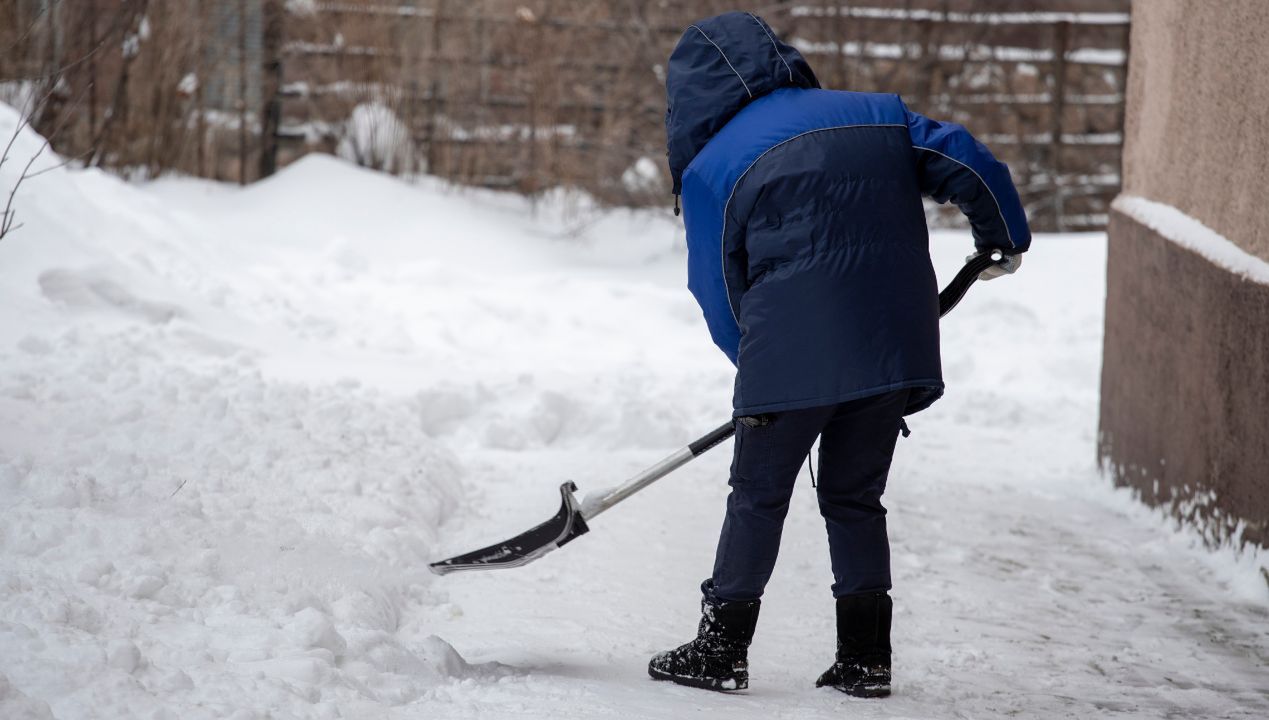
(570, 522)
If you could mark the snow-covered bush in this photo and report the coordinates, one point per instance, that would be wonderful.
(644, 176)
(375, 137)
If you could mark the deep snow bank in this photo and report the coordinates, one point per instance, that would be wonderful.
(233, 420)
(206, 511)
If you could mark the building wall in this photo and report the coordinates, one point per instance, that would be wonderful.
(1197, 124)
(1185, 376)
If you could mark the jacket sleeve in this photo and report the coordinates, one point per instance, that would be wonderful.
(952, 165)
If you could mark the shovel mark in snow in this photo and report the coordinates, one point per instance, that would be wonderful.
(86, 291)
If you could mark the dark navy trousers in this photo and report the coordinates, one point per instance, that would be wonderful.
(857, 441)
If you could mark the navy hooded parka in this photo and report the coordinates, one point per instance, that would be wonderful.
(807, 244)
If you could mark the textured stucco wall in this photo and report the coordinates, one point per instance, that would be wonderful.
(1185, 384)
(1185, 374)
(1196, 134)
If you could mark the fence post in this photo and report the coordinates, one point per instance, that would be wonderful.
(434, 86)
(1061, 41)
(242, 91)
(271, 85)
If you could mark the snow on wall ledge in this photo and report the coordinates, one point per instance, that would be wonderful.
(1191, 233)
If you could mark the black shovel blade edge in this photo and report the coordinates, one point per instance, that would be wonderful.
(526, 547)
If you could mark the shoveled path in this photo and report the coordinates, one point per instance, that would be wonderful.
(1024, 585)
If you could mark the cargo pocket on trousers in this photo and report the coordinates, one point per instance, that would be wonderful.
(753, 450)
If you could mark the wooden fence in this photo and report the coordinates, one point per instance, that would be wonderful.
(530, 96)
(533, 94)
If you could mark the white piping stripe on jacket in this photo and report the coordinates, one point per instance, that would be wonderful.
(720, 52)
(722, 240)
(773, 44)
(1008, 235)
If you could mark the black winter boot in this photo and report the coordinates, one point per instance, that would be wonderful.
(718, 659)
(863, 646)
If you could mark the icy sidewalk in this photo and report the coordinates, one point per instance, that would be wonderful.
(236, 424)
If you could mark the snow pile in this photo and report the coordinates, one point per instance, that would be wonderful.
(179, 523)
(233, 422)
(644, 176)
(235, 425)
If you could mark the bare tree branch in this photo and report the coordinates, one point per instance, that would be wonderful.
(56, 73)
(6, 225)
(10, 214)
(59, 166)
(24, 119)
(34, 22)
(119, 104)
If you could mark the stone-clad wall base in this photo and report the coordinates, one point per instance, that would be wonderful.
(1185, 384)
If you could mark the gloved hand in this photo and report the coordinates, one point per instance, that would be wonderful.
(1007, 265)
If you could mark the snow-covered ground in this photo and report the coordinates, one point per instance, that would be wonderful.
(236, 424)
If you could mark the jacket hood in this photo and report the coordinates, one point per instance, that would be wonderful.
(719, 66)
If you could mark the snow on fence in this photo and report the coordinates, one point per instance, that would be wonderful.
(972, 18)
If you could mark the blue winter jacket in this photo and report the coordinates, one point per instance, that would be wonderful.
(807, 245)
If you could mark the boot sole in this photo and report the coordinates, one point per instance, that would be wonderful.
(715, 684)
(862, 692)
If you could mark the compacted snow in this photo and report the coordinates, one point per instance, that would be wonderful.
(236, 424)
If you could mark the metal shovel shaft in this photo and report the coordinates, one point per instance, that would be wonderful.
(569, 522)
(596, 504)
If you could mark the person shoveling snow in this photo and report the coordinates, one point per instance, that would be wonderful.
(808, 253)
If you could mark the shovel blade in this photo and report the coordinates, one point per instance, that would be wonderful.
(526, 547)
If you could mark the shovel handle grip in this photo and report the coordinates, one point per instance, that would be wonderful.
(714, 437)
